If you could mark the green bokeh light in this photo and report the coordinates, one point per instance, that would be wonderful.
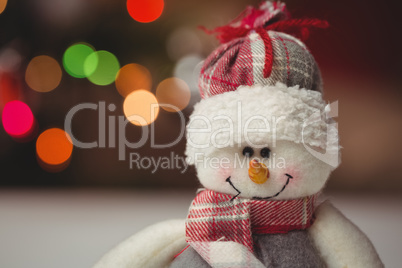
(101, 67)
(74, 58)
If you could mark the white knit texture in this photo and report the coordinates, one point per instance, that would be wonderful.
(275, 112)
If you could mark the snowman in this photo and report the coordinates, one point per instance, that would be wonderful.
(263, 144)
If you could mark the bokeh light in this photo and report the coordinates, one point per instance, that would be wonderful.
(173, 92)
(54, 149)
(133, 77)
(18, 120)
(10, 59)
(141, 107)
(63, 15)
(145, 10)
(182, 42)
(101, 67)
(43, 74)
(3, 4)
(74, 58)
(10, 88)
(188, 69)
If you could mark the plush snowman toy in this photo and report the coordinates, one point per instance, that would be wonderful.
(264, 144)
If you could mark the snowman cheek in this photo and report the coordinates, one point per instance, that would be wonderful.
(224, 172)
(295, 174)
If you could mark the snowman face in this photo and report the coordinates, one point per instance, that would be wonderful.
(258, 142)
(284, 171)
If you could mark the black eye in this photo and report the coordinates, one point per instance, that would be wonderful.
(265, 152)
(248, 151)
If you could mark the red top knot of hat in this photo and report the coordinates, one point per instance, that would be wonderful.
(268, 16)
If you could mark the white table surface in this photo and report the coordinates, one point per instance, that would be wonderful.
(74, 228)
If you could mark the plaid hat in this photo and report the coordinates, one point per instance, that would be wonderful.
(256, 50)
(261, 70)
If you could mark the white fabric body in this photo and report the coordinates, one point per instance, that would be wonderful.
(340, 243)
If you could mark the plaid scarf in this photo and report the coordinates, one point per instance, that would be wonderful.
(214, 217)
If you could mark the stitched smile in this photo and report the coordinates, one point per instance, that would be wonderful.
(231, 184)
(261, 198)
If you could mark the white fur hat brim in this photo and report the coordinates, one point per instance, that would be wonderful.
(260, 116)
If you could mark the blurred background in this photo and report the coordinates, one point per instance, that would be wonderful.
(116, 55)
(359, 58)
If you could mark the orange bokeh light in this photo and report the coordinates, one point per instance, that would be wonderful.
(133, 77)
(43, 74)
(54, 148)
(3, 4)
(141, 107)
(173, 92)
(145, 10)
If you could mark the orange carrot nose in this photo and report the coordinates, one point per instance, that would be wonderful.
(258, 172)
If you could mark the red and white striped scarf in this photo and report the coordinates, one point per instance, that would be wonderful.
(216, 217)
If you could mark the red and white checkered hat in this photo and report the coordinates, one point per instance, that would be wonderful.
(256, 50)
(259, 74)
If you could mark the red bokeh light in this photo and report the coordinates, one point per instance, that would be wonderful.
(145, 10)
(18, 120)
(9, 88)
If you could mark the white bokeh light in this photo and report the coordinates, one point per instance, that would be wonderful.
(188, 69)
